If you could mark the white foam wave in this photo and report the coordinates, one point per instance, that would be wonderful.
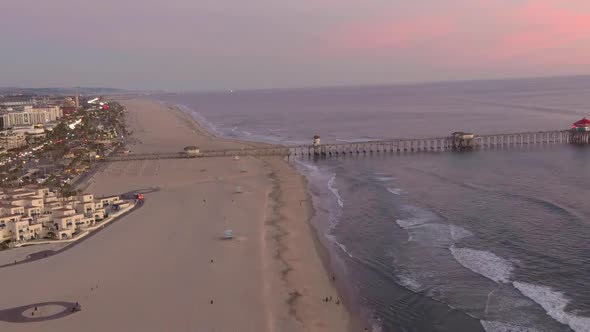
(395, 191)
(554, 303)
(407, 223)
(343, 247)
(420, 218)
(458, 233)
(335, 191)
(483, 262)
(409, 282)
(384, 178)
(493, 326)
(375, 323)
(201, 119)
(308, 166)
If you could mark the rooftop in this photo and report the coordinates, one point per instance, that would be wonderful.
(582, 123)
(8, 206)
(11, 216)
(63, 209)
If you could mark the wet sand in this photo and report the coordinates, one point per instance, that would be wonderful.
(165, 267)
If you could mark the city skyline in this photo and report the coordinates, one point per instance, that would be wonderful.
(213, 45)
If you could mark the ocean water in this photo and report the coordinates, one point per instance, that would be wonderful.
(481, 241)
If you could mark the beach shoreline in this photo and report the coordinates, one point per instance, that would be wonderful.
(167, 267)
(280, 164)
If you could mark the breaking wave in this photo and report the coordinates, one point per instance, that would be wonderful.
(492, 326)
(554, 304)
(484, 263)
(335, 191)
(395, 191)
(384, 178)
(458, 233)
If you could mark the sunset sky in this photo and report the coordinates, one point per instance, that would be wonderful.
(220, 44)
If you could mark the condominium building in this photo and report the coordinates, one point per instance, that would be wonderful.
(30, 115)
(43, 114)
(35, 213)
(10, 140)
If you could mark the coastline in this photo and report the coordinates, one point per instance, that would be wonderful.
(283, 170)
(166, 266)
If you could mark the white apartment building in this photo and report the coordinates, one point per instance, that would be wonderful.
(10, 140)
(34, 213)
(30, 115)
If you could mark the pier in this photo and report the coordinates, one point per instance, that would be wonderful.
(457, 141)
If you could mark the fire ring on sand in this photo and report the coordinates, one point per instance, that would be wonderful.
(37, 312)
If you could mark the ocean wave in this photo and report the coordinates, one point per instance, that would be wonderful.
(375, 322)
(408, 281)
(201, 119)
(335, 191)
(458, 233)
(408, 223)
(484, 263)
(395, 191)
(419, 217)
(308, 166)
(554, 303)
(332, 238)
(384, 178)
(493, 326)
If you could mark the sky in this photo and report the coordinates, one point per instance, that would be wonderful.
(247, 44)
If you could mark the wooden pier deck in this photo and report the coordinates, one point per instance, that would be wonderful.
(438, 144)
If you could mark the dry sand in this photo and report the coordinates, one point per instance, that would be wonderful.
(152, 270)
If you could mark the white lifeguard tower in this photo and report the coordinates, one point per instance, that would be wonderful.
(316, 140)
(228, 234)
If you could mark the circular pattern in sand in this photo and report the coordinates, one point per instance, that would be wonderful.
(44, 311)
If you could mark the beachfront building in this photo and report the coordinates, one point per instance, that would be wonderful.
(11, 140)
(34, 213)
(32, 131)
(108, 200)
(580, 132)
(30, 115)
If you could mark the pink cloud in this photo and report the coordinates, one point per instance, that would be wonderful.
(541, 25)
(477, 35)
(390, 35)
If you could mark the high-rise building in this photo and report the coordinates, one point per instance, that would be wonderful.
(30, 115)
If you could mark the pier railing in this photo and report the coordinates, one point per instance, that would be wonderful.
(450, 143)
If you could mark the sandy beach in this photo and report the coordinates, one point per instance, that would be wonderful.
(165, 267)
